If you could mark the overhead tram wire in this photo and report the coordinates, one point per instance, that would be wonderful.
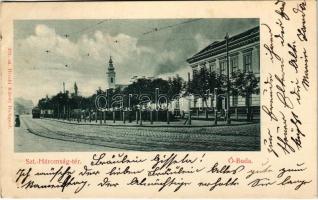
(70, 34)
(180, 39)
(86, 29)
(156, 29)
(66, 64)
(170, 26)
(90, 28)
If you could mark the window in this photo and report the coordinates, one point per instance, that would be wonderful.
(234, 64)
(202, 65)
(194, 72)
(194, 69)
(111, 79)
(212, 66)
(247, 65)
(222, 66)
(235, 100)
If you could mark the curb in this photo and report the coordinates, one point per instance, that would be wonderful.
(155, 126)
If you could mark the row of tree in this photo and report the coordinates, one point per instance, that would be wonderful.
(206, 82)
(203, 83)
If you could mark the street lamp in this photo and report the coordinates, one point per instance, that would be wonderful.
(129, 97)
(156, 97)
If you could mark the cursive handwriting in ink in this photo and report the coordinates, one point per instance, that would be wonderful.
(305, 80)
(219, 183)
(270, 147)
(165, 161)
(281, 94)
(299, 183)
(283, 170)
(169, 182)
(88, 172)
(293, 53)
(270, 48)
(283, 143)
(107, 183)
(264, 182)
(98, 159)
(251, 172)
(269, 111)
(63, 184)
(126, 171)
(281, 12)
(296, 90)
(60, 173)
(225, 169)
(299, 134)
(169, 171)
(22, 173)
(281, 35)
(301, 32)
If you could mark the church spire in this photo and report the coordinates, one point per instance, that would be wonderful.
(111, 74)
(110, 64)
(75, 89)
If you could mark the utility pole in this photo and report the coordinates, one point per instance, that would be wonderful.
(189, 102)
(228, 116)
(215, 108)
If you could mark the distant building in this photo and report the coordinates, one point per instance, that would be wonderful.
(121, 86)
(243, 55)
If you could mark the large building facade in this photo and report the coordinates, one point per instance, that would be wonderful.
(243, 55)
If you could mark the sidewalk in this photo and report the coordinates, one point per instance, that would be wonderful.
(178, 123)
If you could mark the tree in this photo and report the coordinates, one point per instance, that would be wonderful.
(45, 103)
(175, 87)
(204, 81)
(244, 84)
(59, 103)
(146, 87)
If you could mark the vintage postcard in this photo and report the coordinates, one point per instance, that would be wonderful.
(159, 99)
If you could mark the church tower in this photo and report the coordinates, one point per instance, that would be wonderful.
(75, 89)
(111, 74)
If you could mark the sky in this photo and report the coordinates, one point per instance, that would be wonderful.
(50, 52)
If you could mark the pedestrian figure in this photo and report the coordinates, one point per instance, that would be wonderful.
(17, 121)
(183, 114)
(187, 116)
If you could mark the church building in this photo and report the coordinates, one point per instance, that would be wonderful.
(111, 77)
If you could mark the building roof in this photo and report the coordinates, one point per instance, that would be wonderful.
(219, 47)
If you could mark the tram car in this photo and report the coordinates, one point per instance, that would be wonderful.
(36, 112)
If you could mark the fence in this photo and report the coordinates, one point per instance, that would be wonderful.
(139, 116)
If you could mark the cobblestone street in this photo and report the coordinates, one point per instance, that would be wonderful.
(50, 135)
